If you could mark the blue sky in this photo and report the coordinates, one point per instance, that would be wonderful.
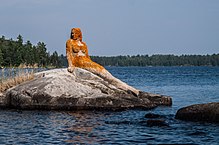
(116, 27)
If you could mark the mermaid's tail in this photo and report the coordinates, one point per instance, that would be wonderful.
(103, 73)
(118, 83)
(100, 71)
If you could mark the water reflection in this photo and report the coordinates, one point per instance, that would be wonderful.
(85, 128)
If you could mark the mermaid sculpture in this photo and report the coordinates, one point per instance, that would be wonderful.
(77, 56)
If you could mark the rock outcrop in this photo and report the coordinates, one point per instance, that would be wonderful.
(60, 90)
(200, 112)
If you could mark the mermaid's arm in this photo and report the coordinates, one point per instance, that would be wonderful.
(69, 53)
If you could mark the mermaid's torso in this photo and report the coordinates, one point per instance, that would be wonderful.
(80, 57)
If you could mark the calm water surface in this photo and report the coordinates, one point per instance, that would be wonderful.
(186, 85)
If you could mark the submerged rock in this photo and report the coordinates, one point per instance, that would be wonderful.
(152, 115)
(81, 90)
(3, 101)
(156, 122)
(200, 112)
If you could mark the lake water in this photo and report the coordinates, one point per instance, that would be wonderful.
(186, 85)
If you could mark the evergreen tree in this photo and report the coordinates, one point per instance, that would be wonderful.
(20, 40)
(41, 51)
(1, 56)
(54, 59)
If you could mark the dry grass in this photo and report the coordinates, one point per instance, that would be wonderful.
(11, 77)
(14, 77)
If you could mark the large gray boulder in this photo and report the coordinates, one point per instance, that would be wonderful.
(200, 112)
(60, 90)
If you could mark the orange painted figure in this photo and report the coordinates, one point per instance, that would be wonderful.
(77, 56)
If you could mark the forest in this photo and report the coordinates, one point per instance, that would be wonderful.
(13, 53)
(158, 60)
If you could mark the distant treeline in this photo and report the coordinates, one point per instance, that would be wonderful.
(16, 52)
(158, 60)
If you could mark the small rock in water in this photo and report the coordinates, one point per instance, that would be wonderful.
(198, 133)
(152, 115)
(157, 122)
(120, 122)
(200, 112)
